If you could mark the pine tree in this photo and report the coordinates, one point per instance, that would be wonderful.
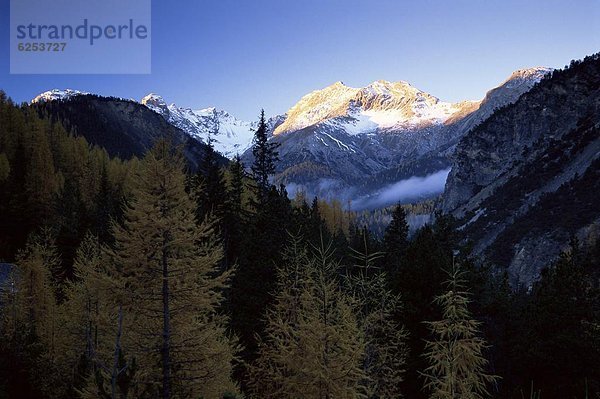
(169, 262)
(212, 193)
(254, 283)
(457, 365)
(396, 235)
(567, 295)
(265, 156)
(234, 212)
(4, 167)
(316, 225)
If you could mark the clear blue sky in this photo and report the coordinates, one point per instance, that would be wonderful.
(243, 55)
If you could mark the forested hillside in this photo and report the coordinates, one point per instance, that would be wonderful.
(124, 128)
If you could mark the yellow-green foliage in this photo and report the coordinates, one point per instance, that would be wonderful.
(169, 264)
(313, 346)
(386, 348)
(32, 320)
(457, 365)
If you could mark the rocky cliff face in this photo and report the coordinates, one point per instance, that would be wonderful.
(525, 180)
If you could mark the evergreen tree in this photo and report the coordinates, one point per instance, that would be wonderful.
(419, 279)
(235, 213)
(169, 264)
(457, 365)
(564, 362)
(254, 283)
(265, 157)
(396, 236)
(212, 193)
(316, 224)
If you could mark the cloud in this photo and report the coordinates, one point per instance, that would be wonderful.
(406, 190)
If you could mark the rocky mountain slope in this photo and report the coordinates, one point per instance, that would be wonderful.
(124, 128)
(526, 179)
(343, 140)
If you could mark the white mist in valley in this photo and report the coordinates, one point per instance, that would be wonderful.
(407, 190)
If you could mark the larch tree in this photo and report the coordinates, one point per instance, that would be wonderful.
(386, 349)
(330, 334)
(313, 346)
(169, 265)
(42, 183)
(273, 373)
(93, 324)
(4, 167)
(456, 362)
(32, 322)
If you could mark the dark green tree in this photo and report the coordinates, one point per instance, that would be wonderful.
(212, 191)
(235, 217)
(554, 342)
(265, 157)
(395, 238)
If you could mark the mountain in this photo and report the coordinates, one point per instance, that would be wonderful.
(124, 128)
(345, 142)
(57, 95)
(526, 180)
(233, 136)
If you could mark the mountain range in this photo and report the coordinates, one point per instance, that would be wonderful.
(344, 142)
(519, 169)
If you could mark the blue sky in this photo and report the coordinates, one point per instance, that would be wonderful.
(243, 55)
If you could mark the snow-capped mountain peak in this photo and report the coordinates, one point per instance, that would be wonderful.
(378, 106)
(56, 95)
(527, 76)
(230, 135)
(155, 103)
